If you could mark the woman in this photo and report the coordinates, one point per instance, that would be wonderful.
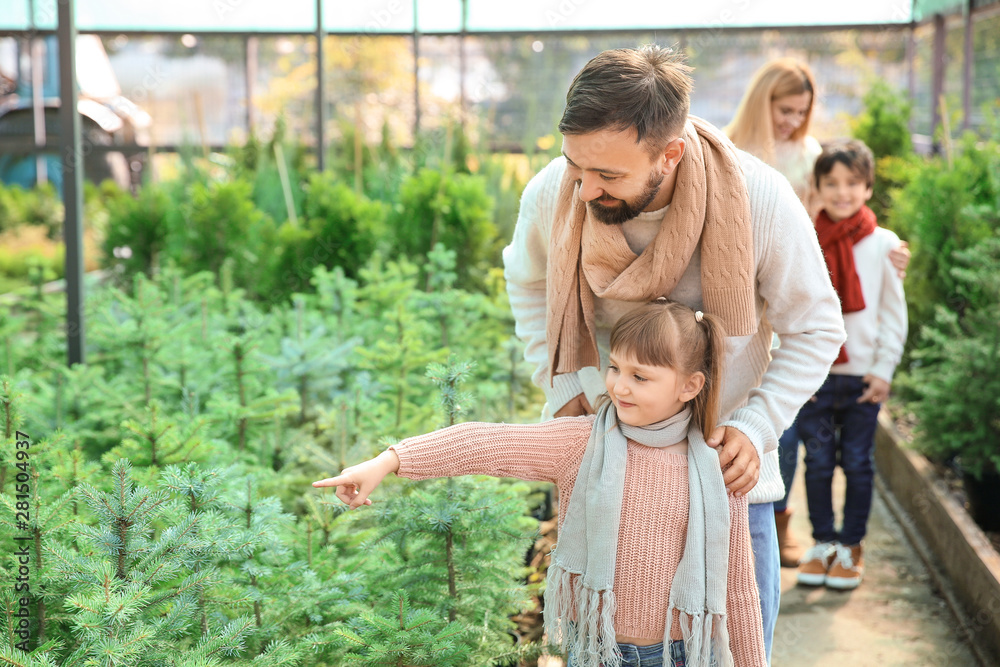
(772, 123)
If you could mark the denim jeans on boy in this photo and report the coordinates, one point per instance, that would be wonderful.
(788, 460)
(836, 429)
(767, 567)
(648, 656)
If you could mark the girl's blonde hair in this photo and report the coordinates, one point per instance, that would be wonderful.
(752, 128)
(667, 333)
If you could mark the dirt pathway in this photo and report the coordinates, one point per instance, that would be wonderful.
(894, 618)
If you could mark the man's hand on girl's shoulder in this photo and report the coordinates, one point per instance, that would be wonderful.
(738, 458)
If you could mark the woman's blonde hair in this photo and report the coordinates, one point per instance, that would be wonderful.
(669, 334)
(752, 128)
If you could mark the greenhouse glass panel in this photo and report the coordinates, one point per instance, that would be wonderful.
(445, 16)
(197, 15)
(17, 15)
(379, 16)
(174, 16)
(531, 15)
(925, 9)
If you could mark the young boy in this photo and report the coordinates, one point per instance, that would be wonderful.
(838, 424)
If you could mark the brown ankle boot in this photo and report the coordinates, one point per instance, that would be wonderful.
(789, 550)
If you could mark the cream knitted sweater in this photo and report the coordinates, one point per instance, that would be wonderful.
(653, 520)
(795, 161)
(763, 389)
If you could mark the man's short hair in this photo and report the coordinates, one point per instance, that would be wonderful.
(852, 153)
(648, 89)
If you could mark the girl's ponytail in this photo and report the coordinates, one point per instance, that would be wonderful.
(705, 406)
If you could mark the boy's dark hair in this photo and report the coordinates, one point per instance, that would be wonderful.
(852, 153)
(648, 89)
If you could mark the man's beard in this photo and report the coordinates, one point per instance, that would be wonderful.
(626, 210)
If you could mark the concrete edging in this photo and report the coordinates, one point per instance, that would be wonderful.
(960, 551)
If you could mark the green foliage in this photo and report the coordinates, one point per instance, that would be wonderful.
(955, 381)
(310, 364)
(183, 370)
(341, 229)
(38, 206)
(156, 440)
(412, 637)
(448, 378)
(457, 547)
(115, 589)
(346, 226)
(143, 225)
(222, 222)
(947, 206)
(884, 125)
(10, 420)
(251, 401)
(451, 209)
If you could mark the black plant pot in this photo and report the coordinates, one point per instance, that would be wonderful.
(984, 499)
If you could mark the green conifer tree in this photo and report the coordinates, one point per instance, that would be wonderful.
(10, 421)
(156, 439)
(311, 362)
(47, 521)
(406, 637)
(397, 344)
(133, 330)
(132, 596)
(250, 399)
(335, 294)
(457, 545)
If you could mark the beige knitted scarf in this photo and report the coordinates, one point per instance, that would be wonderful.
(589, 258)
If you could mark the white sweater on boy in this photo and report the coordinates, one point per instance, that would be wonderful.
(876, 335)
(763, 388)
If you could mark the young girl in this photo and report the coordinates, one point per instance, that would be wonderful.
(653, 561)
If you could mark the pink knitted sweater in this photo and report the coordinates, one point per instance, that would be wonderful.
(653, 523)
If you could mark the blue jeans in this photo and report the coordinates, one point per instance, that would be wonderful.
(767, 567)
(648, 656)
(836, 429)
(788, 460)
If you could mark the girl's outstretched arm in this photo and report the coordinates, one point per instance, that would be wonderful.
(356, 483)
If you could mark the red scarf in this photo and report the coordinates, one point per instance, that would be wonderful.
(836, 240)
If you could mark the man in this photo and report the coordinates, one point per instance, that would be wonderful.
(646, 203)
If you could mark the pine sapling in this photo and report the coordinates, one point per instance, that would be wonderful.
(156, 439)
(447, 379)
(71, 467)
(441, 290)
(406, 637)
(46, 522)
(10, 400)
(132, 596)
(263, 522)
(249, 400)
(335, 293)
(314, 363)
(458, 546)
